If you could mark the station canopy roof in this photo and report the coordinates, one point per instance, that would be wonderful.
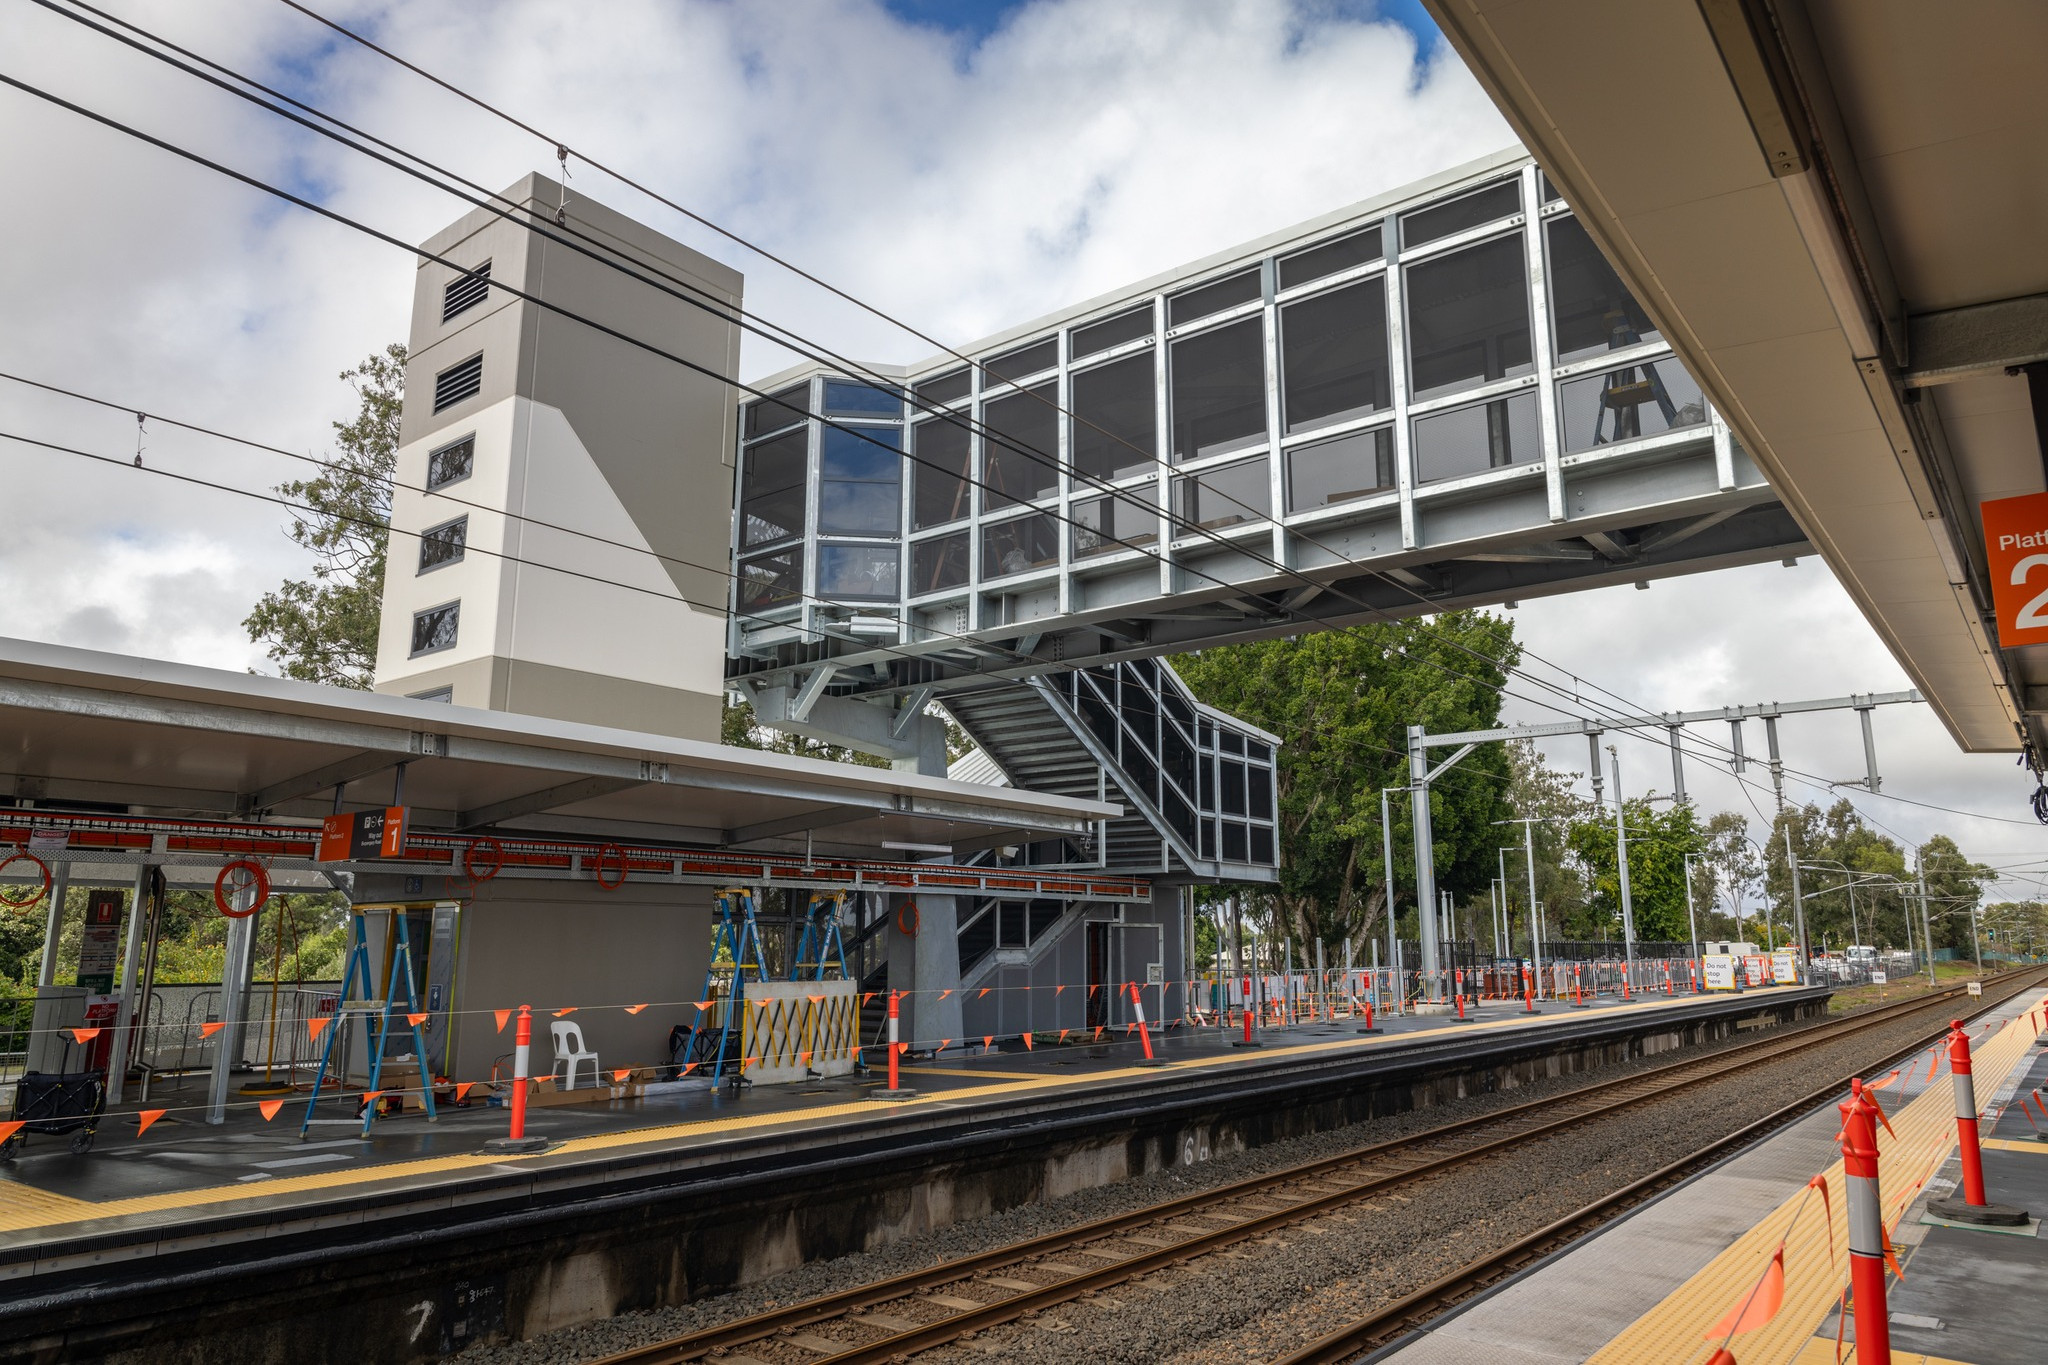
(1833, 210)
(156, 738)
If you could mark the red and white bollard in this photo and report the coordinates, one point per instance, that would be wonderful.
(1144, 1036)
(1866, 1228)
(522, 1051)
(1459, 985)
(1247, 1040)
(895, 1090)
(1528, 991)
(1973, 1207)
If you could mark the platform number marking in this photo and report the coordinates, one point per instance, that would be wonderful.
(1194, 1147)
(425, 1308)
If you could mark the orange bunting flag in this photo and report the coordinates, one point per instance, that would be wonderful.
(317, 1024)
(415, 1020)
(942, 1044)
(208, 1030)
(1063, 1034)
(944, 993)
(8, 1130)
(902, 1047)
(1094, 988)
(563, 1014)
(1880, 1111)
(867, 996)
(988, 1040)
(147, 1117)
(1056, 991)
(369, 1095)
(1879, 1085)
(462, 1089)
(502, 1016)
(763, 1003)
(746, 1062)
(1933, 1064)
(815, 999)
(1098, 1034)
(688, 1067)
(1820, 1182)
(984, 991)
(622, 1075)
(1889, 1258)
(83, 1035)
(804, 1057)
(635, 1009)
(269, 1108)
(1027, 1043)
(1759, 1306)
(701, 1005)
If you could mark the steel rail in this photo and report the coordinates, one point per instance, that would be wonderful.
(1406, 1315)
(764, 1328)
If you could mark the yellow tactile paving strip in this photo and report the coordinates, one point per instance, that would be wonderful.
(23, 1207)
(1816, 1267)
(2008, 1145)
(1818, 1352)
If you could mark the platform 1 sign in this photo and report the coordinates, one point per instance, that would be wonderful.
(363, 836)
(2016, 546)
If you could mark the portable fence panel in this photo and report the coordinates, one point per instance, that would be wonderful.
(794, 1029)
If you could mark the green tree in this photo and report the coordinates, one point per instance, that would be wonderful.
(324, 629)
(1658, 840)
(1341, 700)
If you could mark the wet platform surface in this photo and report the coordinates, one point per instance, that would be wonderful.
(1646, 1290)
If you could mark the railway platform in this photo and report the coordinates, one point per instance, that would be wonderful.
(718, 1187)
(1649, 1288)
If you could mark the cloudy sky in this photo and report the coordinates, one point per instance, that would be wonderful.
(962, 165)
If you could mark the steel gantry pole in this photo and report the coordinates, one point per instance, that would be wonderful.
(1691, 918)
(1535, 910)
(1926, 932)
(1628, 914)
(1425, 856)
(1387, 855)
(1805, 955)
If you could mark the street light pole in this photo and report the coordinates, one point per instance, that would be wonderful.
(1691, 918)
(1798, 913)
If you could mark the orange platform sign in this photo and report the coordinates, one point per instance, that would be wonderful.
(2016, 544)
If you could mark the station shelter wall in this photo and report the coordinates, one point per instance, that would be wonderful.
(1144, 933)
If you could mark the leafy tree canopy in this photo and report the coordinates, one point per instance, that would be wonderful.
(324, 629)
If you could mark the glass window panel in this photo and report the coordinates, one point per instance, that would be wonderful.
(1228, 292)
(1142, 771)
(772, 489)
(1590, 307)
(1180, 816)
(1550, 194)
(1100, 719)
(938, 476)
(1020, 447)
(1219, 390)
(443, 544)
(772, 580)
(1450, 445)
(1333, 355)
(1225, 496)
(1177, 756)
(1208, 838)
(1116, 427)
(1330, 257)
(1012, 915)
(938, 564)
(946, 388)
(1106, 525)
(1177, 707)
(843, 398)
(1635, 400)
(1021, 363)
(1468, 317)
(1233, 787)
(1262, 846)
(778, 410)
(435, 627)
(1466, 211)
(857, 493)
(1231, 742)
(867, 453)
(1343, 470)
(1261, 780)
(858, 509)
(1235, 849)
(1097, 337)
(857, 571)
(1019, 546)
(452, 462)
(1257, 751)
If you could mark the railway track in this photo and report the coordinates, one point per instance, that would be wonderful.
(900, 1317)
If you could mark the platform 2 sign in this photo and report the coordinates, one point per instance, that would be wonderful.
(2016, 547)
(363, 836)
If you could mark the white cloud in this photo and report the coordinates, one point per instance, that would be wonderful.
(1085, 145)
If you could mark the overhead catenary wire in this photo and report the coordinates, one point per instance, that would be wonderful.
(956, 417)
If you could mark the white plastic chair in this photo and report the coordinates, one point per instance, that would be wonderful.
(569, 1053)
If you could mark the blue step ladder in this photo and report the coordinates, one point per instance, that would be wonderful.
(820, 950)
(378, 1014)
(735, 951)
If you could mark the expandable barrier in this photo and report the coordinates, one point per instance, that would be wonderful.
(797, 1029)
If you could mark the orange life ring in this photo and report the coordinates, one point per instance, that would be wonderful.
(257, 879)
(614, 856)
(41, 891)
(482, 868)
(907, 927)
